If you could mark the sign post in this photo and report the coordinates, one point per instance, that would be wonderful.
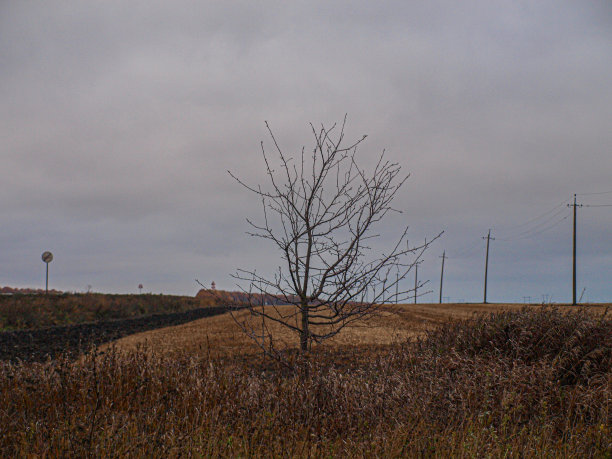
(47, 257)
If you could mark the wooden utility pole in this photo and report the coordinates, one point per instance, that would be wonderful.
(397, 288)
(488, 238)
(416, 275)
(442, 274)
(575, 206)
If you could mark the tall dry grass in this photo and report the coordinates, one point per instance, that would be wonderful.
(514, 384)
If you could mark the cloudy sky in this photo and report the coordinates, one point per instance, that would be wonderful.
(119, 121)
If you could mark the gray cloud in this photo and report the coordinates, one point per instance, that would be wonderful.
(119, 121)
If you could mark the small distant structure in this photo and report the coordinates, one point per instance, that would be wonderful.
(213, 286)
(140, 288)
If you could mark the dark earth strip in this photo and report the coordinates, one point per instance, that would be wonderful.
(39, 345)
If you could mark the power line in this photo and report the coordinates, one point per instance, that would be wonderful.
(526, 230)
(466, 250)
(539, 228)
(529, 229)
(527, 222)
(525, 233)
(593, 194)
(543, 230)
(536, 231)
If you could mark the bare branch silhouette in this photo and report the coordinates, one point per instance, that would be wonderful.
(320, 211)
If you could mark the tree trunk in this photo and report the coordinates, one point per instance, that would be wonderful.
(305, 331)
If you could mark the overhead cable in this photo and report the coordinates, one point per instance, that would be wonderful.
(535, 229)
(593, 194)
(531, 220)
(540, 231)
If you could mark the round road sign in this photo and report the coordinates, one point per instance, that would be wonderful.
(47, 257)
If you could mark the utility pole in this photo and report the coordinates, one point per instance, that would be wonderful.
(575, 206)
(488, 238)
(442, 274)
(416, 275)
(397, 287)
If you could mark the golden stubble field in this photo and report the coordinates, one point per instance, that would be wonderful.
(221, 336)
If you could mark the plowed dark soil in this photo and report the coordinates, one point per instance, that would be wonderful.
(40, 345)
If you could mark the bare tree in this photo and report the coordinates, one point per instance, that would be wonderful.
(320, 211)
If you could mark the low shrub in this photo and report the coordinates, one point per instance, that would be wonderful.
(577, 342)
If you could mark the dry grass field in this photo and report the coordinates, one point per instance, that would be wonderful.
(509, 382)
(220, 336)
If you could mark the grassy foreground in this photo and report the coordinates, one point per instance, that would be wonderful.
(511, 384)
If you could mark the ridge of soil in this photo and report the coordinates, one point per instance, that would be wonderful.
(39, 345)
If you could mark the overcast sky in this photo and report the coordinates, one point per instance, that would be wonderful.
(119, 120)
